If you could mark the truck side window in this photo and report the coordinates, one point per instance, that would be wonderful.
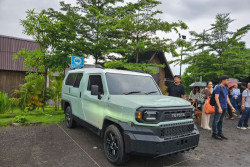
(78, 80)
(95, 80)
(71, 79)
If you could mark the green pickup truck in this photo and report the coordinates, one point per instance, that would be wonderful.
(128, 110)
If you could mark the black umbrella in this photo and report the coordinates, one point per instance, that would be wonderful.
(198, 84)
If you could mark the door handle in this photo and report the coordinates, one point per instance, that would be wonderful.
(80, 94)
(69, 90)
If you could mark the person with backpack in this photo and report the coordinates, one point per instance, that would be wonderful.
(220, 100)
(245, 108)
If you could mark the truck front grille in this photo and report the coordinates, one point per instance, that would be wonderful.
(177, 115)
(177, 129)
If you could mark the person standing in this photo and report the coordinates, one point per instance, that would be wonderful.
(176, 89)
(205, 119)
(243, 86)
(222, 100)
(236, 93)
(230, 95)
(245, 107)
(194, 94)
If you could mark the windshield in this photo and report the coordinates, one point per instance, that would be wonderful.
(125, 84)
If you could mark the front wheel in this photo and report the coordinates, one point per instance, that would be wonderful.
(114, 146)
(70, 123)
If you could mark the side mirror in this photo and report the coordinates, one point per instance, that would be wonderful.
(94, 90)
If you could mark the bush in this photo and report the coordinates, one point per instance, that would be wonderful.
(54, 92)
(145, 67)
(29, 96)
(6, 104)
(20, 119)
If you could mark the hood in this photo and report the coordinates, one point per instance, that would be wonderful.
(136, 101)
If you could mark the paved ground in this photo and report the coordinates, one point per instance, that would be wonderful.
(55, 145)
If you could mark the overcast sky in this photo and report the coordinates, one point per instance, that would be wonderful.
(197, 14)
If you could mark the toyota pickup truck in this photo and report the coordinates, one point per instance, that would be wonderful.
(128, 110)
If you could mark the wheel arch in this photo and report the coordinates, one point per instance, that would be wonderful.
(65, 104)
(109, 121)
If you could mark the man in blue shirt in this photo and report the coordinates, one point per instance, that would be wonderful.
(222, 99)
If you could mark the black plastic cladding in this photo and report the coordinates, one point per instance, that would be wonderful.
(177, 129)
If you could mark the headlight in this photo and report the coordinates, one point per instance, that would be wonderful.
(150, 116)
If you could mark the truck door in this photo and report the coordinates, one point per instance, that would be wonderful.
(74, 93)
(94, 107)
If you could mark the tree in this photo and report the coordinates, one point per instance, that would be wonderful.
(139, 28)
(86, 29)
(219, 52)
(186, 50)
(41, 29)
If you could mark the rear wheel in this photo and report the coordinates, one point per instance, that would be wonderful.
(70, 123)
(114, 146)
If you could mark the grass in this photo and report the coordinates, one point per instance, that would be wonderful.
(49, 116)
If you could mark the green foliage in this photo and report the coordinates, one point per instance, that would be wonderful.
(20, 119)
(165, 90)
(54, 91)
(186, 50)
(33, 60)
(29, 95)
(40, 28)
(148, 68)
(6, 103)
(86, 29)
(222, 53)
(139, 28)
(102, 28)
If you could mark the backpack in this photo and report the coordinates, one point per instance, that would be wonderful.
(212, 99)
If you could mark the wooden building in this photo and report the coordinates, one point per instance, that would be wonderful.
(165, 75)
(12, 73)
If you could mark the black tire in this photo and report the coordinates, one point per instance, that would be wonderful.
(114, 146)
(69, 121)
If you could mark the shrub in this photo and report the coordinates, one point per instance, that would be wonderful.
(54, 92)
(6, 104)
(20, 119)
(29, 96)
(145, 67)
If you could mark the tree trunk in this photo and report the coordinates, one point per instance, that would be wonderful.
(137, 57)
(96, 60)
(44, 87)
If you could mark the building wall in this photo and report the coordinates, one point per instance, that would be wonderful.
(161, 82)
(10, 81)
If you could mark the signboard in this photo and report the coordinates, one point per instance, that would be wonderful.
(77, 61)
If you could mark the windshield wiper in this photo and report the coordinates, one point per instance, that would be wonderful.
(132, 92)
(147, 93)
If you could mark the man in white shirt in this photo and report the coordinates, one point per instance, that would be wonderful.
(245, 107)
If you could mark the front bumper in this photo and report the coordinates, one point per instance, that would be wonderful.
(147, 141)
